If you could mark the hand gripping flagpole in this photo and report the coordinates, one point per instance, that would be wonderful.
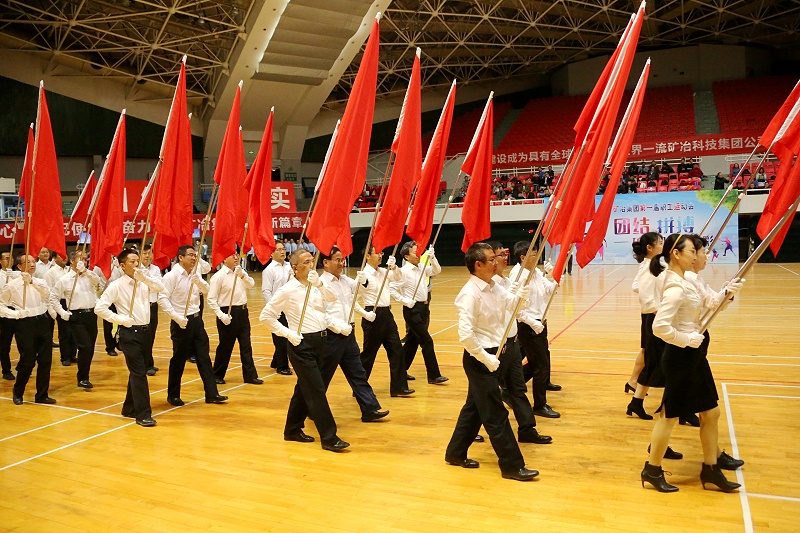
(233, 289)
(206, 222)
(308, 293)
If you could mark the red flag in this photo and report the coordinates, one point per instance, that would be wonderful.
(147, 194)
(420, 223)
(347, 169)
(43, 205)
(407, 147)
(81, 210)
(257, 184)
(107, 221)
(478, 165)
(230, 175)
(785, 116)
(172, 209)
(27, 167)
(784, 192)
(161, 243)
(619, 154)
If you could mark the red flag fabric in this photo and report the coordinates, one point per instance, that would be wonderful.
(230, 175)
(788, 108)
(172, 209)
(478, 165)
(43, 205)
(784, 192)
(407, 147)
(420, 223)
(27, 167)
(80, 213)
(106, 229)
(257, 184)
(619, 154)
(144, 201)
(347, 169)
(161, 258)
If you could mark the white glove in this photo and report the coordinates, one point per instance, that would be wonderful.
(392, 262)
(23, 313)
(734, 286)
(139, 275)
(64, 315)
(522, 292)
(26, 277)
(369, 316)
(408, 302)
(195, 279)
(294, 338)
(695, 340)
(114, 261)
(345, 329)
(179, 319)
(126, 321)
(225, 319)
(513, 287)
(535, 325)
(547, 267)
(490, 361)
(80, 267)
(361, 277)
(52, 313)
(431, 253)
(313, 279)
(239, 272)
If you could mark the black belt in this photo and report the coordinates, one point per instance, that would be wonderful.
(226, 309)
(79, 311)
(136, 329)
(369, 308)
(194, 315)
(323, 333)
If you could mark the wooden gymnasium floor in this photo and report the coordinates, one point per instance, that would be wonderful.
(79, 466)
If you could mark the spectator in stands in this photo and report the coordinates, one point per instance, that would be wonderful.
(632, 183)
(684, 166)
(550, 175)
(652, 172)
(623, 184)
(547, 191)
(696, 172)
(666, 168)
(633, 169)
(720, 181)
(761, 179)
(735, 170)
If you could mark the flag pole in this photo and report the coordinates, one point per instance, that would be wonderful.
(29, 207)
(147, 191)
(308, 293)
(558, 285)
(19, 206)
(751, 261)
(244, 234)
(206, 222)
(394, 250)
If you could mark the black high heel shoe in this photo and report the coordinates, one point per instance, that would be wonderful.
(726, 462)
(713, 475)
(671, 454)
(628, 388)
(690, 420)
(637, 406)
(655, 476)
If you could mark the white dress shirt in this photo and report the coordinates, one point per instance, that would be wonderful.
(289, 301)
(177, 288)
(540, 290)
(650, 288)
(338, 312)
(154, 272)
(219, 294)
(480, 325)
(41, 269)
(506, 284)
(374, 283)
(36, 295)
(679, 312)
(54, 274)
(403, 290)
(119, 294)
(273, 277)
(83, 297)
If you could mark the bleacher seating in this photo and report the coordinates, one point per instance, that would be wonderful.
(667, 113)
(746, 106)
(544, 122)
(463, 128)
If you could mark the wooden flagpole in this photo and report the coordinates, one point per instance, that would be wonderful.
(206, 222)
(29, 206)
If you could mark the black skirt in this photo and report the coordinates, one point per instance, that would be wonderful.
(690, 386)
(651, 375)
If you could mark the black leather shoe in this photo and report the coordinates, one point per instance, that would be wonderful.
(298, 436)
(284, 371)
(112, 353)
(152, 371)
(66, 362)
(55, 344)
(74, 360)
(48, 400)
(17, 400)
(217, 399)
(219, 381)
(523, 474)
(335, 446)
(463, 463)
(479, 438)
(546, 412)
(726, 462)
(533, 436)
(404, 392)
(146, 422)
(192, 359)
(8, 376)
(438, 381)
(254, 381)
(712, 475)
(655, 476)
(670, 453)
(409, 377)
(377, 414)
(86, 384)
(553, 387)
(177, 402)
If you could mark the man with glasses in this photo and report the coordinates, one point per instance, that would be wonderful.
(275, 276)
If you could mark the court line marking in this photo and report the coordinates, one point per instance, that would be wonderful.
(788, 270)
(766, 385)
(587, 310)
(772, 497)
(748, 519)
(767, 396)
(445, 329)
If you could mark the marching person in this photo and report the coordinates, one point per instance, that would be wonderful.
(34, 330)
(135, 285)
(66, 344)
(7, 325)
(273, 277)
(306, 350)
(233, 320)
(480, 305)
(341, 339)
(188, 334)
(43, 263)
(77, 290)
(146, 262)
(414, 296)
(378, 324)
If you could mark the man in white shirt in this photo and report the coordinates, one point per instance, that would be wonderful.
(379, 326)
(233, 320)
(273, 277)
(146, 261)
(341, 340)
(188, 334)
(34, 328)
(413, 294)
(482, 306)
(307, 351)
(134, 330)
(66, 344)
(7, 325)
(74, 297)
(43, 264)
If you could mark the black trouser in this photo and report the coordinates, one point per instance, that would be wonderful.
(280, 358)
(314, 370)
(83, 328)
(345, 350)
(35, 345)
(151, 332)
(67, 345)
(8, 326)
(108, 335)
(191, 341)
(536, 349)
(512, 378)
(133, 342)
(383, 332)
(417, 319)
(237, 330)
(484, 407)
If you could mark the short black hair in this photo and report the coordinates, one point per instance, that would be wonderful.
(147, 247)
(406, 249)
(19, 259)
(185, 248)
(521, 249)
(333, 251)
(495, 244)
(123, 255)
(475, 253)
